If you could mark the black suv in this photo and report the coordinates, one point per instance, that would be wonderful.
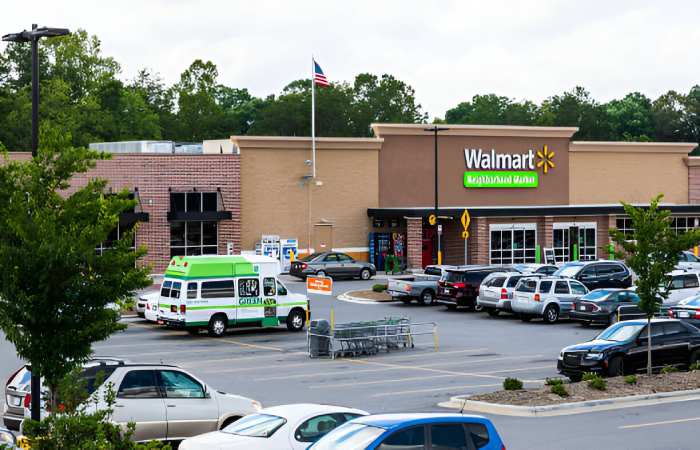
(597, 274)
(460, 287)
(622, 348)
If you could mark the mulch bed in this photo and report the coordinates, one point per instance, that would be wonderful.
(579, 392)
(371, 295)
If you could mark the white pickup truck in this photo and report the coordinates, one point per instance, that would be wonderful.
(421, 287)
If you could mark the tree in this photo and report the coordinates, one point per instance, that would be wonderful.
(54, 288)
(576, 109)
(492, 109)
(198, 113)
(652, 252)
(667, 113)
(631, 117)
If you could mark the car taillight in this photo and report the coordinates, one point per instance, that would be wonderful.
(407, 288)
(537, 297)
(459, 285)
(697, 314)
(504, 294)
(503, 447)
(28, 400)
(183, 309)
(671, 313)
(573, 305)
(304, 266)
(148, 306)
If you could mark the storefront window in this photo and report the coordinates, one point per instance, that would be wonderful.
(116, 235)
(562, 234)
(513, 244)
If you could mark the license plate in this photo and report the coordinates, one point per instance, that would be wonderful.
(160, 322)
(582, 308)
(447, 291)
(683, 314)
(15, 401)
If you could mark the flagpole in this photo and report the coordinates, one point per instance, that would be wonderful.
(313, 120)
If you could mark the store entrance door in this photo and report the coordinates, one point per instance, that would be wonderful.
(574, 237)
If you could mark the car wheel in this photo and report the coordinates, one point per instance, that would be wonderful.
(478, 308)
(493, 312)
(616, 366)
(295, 320)
(426, 298)
(228, 422)
(551, 314)
(694, 357)
(217, 325)
(321, 273)
(365, 274)
(525, 317)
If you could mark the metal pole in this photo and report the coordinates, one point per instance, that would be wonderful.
(437, 217)
(313, 119)
(35, 96)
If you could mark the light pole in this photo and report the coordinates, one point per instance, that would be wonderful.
(33, 37)
(435, 130)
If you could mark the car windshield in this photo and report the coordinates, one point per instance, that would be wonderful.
(350, 436)
(620, 332)
(568, 270)
(310, 257)
(598, 294)
(256, 425)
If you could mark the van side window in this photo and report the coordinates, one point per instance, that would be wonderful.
(165, 289)
(281, 290)
(217, 289)
(175, 291)
(191, 290)
(248, 287)
(269, 286)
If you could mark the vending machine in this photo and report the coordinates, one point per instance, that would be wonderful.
(288, 247)
(270, 245)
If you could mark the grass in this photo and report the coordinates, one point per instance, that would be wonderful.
(595, 381)
(379, 287)
(695, 366)
(631, 379)
(512, 384)
(669, 369)
(553, 382)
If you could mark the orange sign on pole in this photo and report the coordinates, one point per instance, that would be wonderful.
(318, 285)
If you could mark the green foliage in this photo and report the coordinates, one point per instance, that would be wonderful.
(54, 288)
(83, 422)
(553, 381)
(695, 366)
(669, 369)
(595, 381)
(588, 376)
(379, 287)
(559, 389)
(631, 379)
(512, 384)
(652, 252)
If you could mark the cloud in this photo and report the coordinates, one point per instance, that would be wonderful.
(447, 50)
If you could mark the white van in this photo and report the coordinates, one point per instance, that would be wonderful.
(217, 292)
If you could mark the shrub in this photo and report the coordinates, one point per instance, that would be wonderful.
(559, 389)
(588, 376)
(512, 384)
(695, 366)
(554, 382)
(379, 287)
(669, 369)
(631, 379)
(597, 382)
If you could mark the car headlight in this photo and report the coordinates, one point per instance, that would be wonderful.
(594, 356)
(561, 354)
(6, 437)
(256, 405)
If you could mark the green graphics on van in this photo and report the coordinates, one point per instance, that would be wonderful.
(501, 179)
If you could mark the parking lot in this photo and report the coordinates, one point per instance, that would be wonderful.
(475, 353)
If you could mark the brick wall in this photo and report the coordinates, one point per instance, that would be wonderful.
(154, 174)
(414, 242)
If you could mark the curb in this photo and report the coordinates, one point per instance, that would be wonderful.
(461, 402)
(345, 297)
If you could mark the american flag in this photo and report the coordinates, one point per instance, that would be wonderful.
(319, 78)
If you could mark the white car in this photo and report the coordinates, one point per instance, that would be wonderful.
(292, 427)
(150, 305)
(684, 284)
(688, 261)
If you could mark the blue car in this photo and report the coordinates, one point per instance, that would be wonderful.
(413, 432)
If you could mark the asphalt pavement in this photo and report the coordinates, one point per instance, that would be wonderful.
(472, 353)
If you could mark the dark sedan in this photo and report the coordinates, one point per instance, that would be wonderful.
(622, 348)
(604, 305)
(332, 264)
(687, 310)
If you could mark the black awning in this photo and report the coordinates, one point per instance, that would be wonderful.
(129, 218)
(522, 211)
(181, 216)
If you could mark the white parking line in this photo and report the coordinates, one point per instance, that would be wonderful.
(653, 424)
(423, 391)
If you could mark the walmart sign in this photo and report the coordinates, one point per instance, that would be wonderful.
(502, 170)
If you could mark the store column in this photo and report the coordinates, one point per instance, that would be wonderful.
(414, 243)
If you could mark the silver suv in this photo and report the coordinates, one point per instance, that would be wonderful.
(548, 297)
(496, 291)
(165, 402)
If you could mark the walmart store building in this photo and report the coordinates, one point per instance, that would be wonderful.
(526, 189)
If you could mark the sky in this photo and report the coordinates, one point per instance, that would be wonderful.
(447, 50)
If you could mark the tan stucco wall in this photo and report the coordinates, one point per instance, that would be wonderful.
(605, 173)
(274, 199)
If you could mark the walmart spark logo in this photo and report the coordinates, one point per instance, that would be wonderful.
(546, 159)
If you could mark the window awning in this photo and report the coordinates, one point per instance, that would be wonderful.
(131, 217)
